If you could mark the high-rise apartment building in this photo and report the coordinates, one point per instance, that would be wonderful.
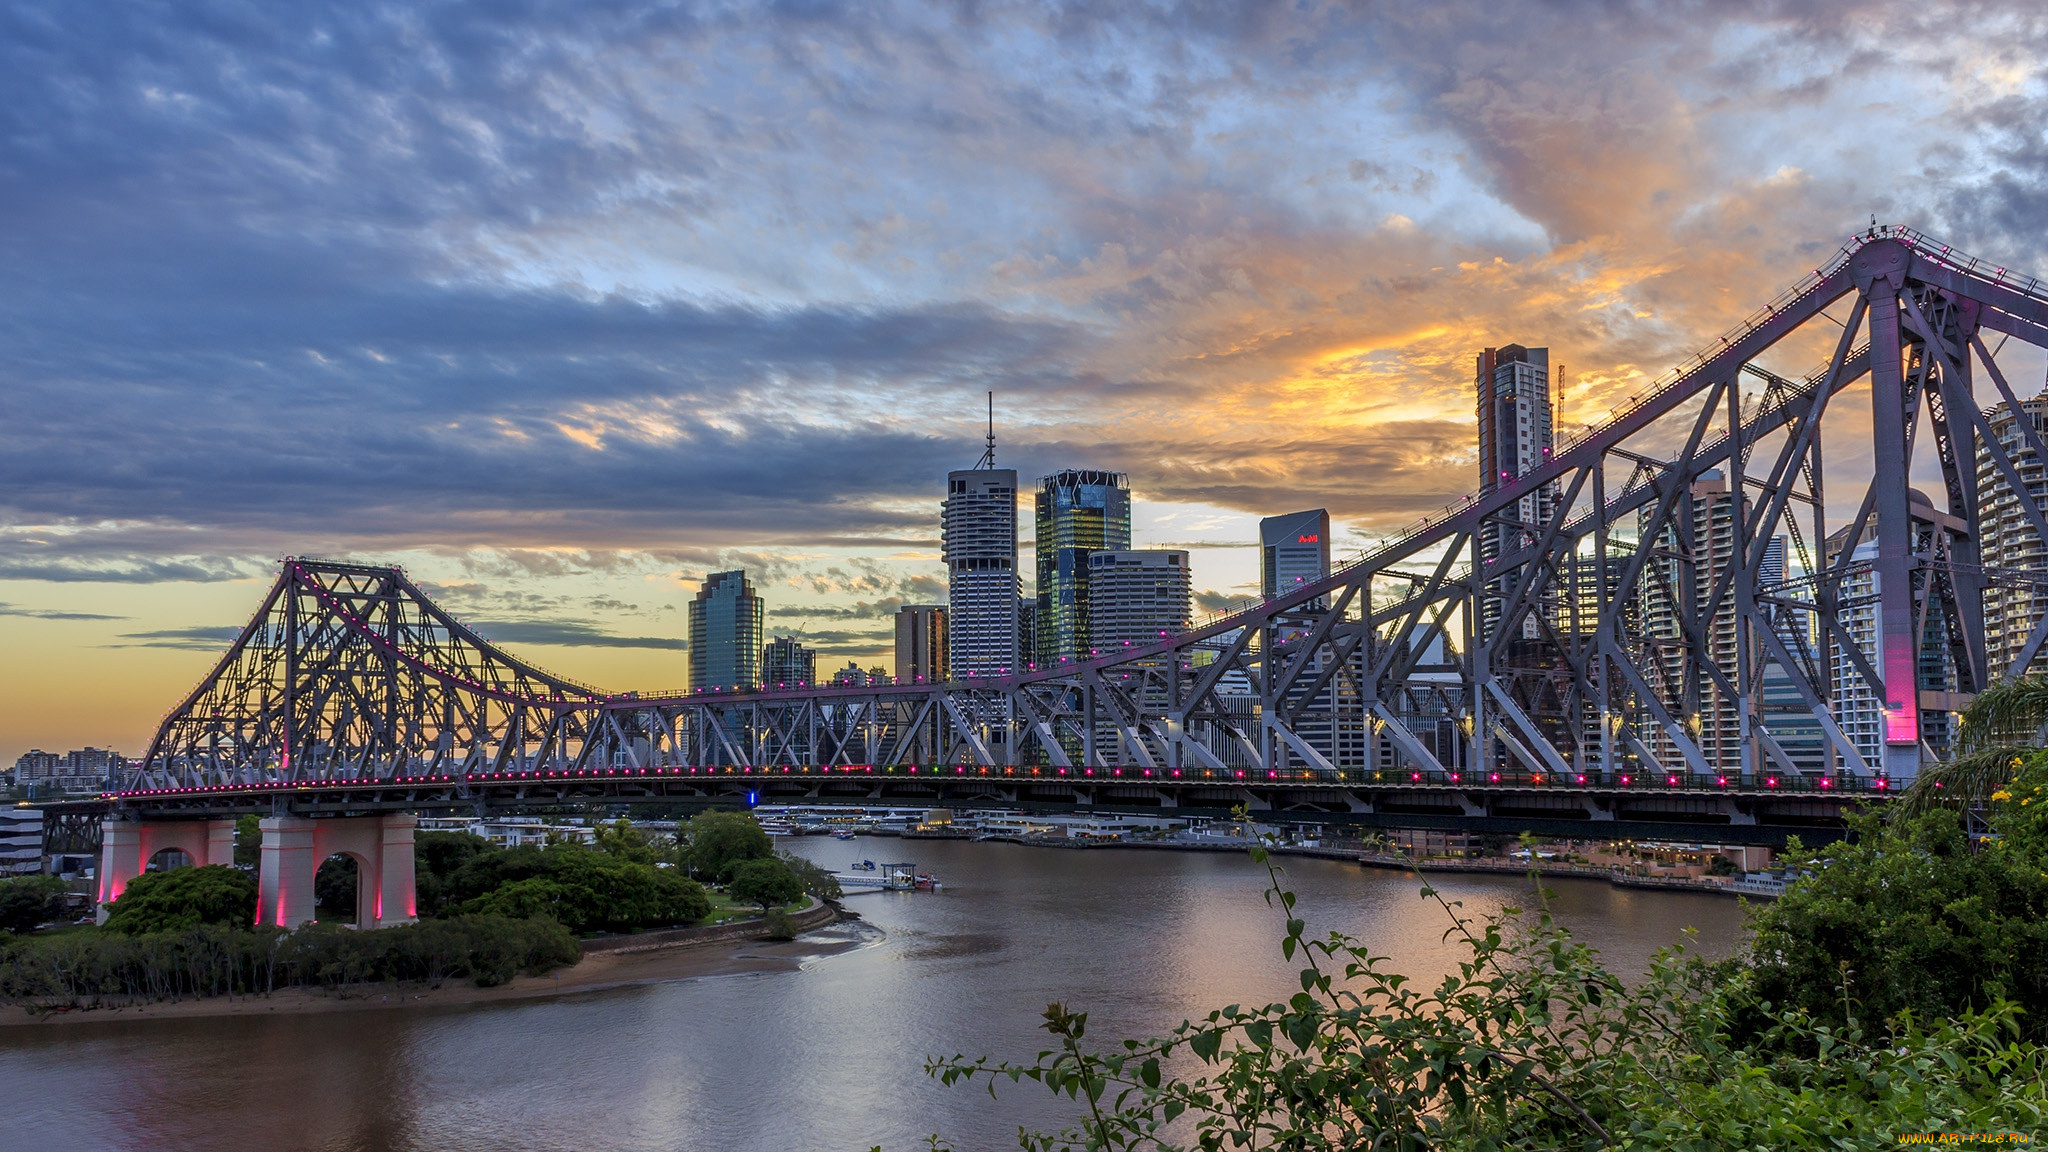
(1293, 550)
(980, 545)
(2008, 541)
(921, 651)
(1137, 597)
(785, 663)
(1079, 511)
(1515, 436)
(725, 633)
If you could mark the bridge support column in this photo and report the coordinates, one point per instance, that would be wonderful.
(294, 848)
(127, 846)
(284, 879)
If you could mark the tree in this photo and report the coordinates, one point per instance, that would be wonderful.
(817, 881)
(29, 902)
(719, 841)
(769, 883)
(184, 898)
(437, 856)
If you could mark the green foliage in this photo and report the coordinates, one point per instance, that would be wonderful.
(817, 881)
(248, 841)
(586, 891)
(184, 898)
(1530, 1043)
(769, 883)
(437, 856)
(28, 902)
(781, 925)
(720, 841)
(621, 839)
(90, 969)
(1909, 918)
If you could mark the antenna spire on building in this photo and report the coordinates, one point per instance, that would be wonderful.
(988, 455)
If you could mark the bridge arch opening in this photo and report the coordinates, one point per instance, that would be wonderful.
(338, 888)
(168, 859)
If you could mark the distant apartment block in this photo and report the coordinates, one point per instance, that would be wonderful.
(785, 663)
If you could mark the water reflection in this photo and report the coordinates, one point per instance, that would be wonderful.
(830, 1056)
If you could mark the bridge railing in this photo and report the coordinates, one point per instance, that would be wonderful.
(1629, 780)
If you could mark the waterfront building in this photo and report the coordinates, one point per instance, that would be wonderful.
(1516, 435)
(725, 633)
(1079, 511)
(1688, 555)
(1137, 597)
(921, 652)
(1294, 549)
(979, 534)
(787, 664)
(2010, 549)
(21, 841)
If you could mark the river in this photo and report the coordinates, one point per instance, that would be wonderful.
(827, 1056)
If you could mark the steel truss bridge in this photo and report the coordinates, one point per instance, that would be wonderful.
(1626, 652)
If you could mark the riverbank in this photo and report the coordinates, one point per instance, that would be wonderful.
(608, 962)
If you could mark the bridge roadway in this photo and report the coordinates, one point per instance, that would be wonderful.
(1720, 808)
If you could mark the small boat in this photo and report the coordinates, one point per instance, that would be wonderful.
(863, 866)
(926, 883)
(842, 834)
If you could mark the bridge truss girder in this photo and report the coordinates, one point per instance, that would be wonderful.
(1636, 629)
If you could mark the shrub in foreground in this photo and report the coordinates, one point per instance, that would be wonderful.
(1530, 1043)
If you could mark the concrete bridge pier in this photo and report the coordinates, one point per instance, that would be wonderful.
(295, 846)
(128, 846)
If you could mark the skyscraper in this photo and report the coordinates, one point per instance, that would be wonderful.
(1515, 435)
(1293, 550)
(1137, 597)
(2009, 543)
(1079, 511)
(921, 650)
(980, 546)
(786, 663)
(725, 633)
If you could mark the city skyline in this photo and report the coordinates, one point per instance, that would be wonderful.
(1245, 263)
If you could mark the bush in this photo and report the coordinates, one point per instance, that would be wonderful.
(1909, 918)
(768, 883)
(781, 925)
(184, 898)
(29, 902)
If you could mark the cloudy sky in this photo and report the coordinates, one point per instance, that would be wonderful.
(563, 305)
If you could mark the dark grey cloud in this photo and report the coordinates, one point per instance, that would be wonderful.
(53, 614)
(567, 634)
(201, 638)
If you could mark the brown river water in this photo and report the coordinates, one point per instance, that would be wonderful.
(827, 1056)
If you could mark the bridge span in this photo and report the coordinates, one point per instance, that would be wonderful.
(1661, 623)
